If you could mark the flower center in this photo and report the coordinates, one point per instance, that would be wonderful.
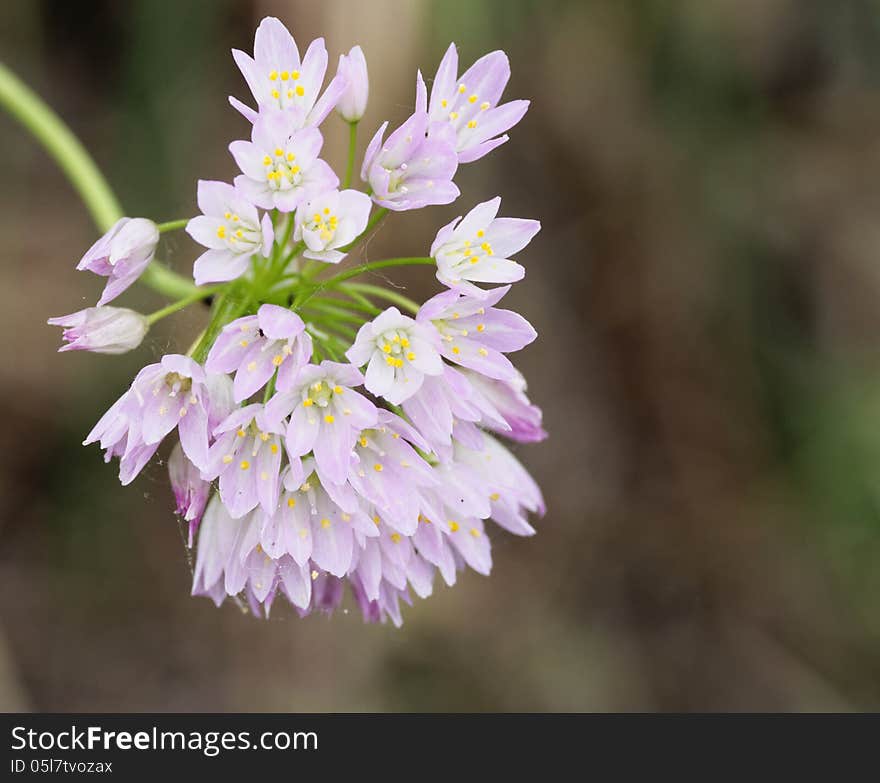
(395, 345)
(282, 172)
(239, 236)
(324, 223)
(285, 89)
(320, 393)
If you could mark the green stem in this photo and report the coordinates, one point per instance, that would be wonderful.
(172, 225)
(180, 304)
(352, 148)
(67, 151)
(362, 269)
(343, 304)
(383, 293)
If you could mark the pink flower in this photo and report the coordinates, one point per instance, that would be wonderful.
(231, 229)
(281, 82)
(102, 330)
(280, 165)
(469, 105)
(122, 254)
(255, 346)
(353, 68)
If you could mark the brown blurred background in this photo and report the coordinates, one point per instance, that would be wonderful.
(706, 289)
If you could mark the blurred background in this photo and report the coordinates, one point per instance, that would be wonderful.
(706, 288)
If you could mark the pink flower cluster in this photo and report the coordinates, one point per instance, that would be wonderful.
(322, 439)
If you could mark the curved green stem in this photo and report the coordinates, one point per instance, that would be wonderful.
(48, 128)
(362, 269)
(383, 293)
(352, 149)
(180, 304)
(172, 225)
(67, 151)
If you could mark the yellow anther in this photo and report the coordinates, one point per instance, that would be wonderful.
(389, 360)
(314, 575)
(329, 418)
(453, 526)
(267, 161)
(227, 459)
(241, 433)
(294, 169)
(398, 362)
(482, 352)
(291, 156)
(290, 93)
(239, 233)
(244, 343)
(291, 502)
(481, 233)
(235, 218)
(472, 124)
(387, 347)
(486, 246)
(444, 103)
(404, 342)
(484, 105)
(453, 115)
(475, 260)
(264, 436)
(376, 520)
(462, 88)
(274, 448)
(278, 152)
(472, 99)
(378, 467)
(299, 90)
(481, 327)
(345, 517)
(276, 95)
(325, 523)
(475, 532)
(277, 359)
(395, 537)
(227, 215)
(263, 475)
(456, 350)
(308, 402)
(411, 356)
(363, 441)
(494, 496)
(284, 76)
(482, 311)
(396, 338)
(251, 366)
(456, 316)
(318, 385)
(245, 464)
(337, 389)
(294, 75)
(221, 232)
(273, 75)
